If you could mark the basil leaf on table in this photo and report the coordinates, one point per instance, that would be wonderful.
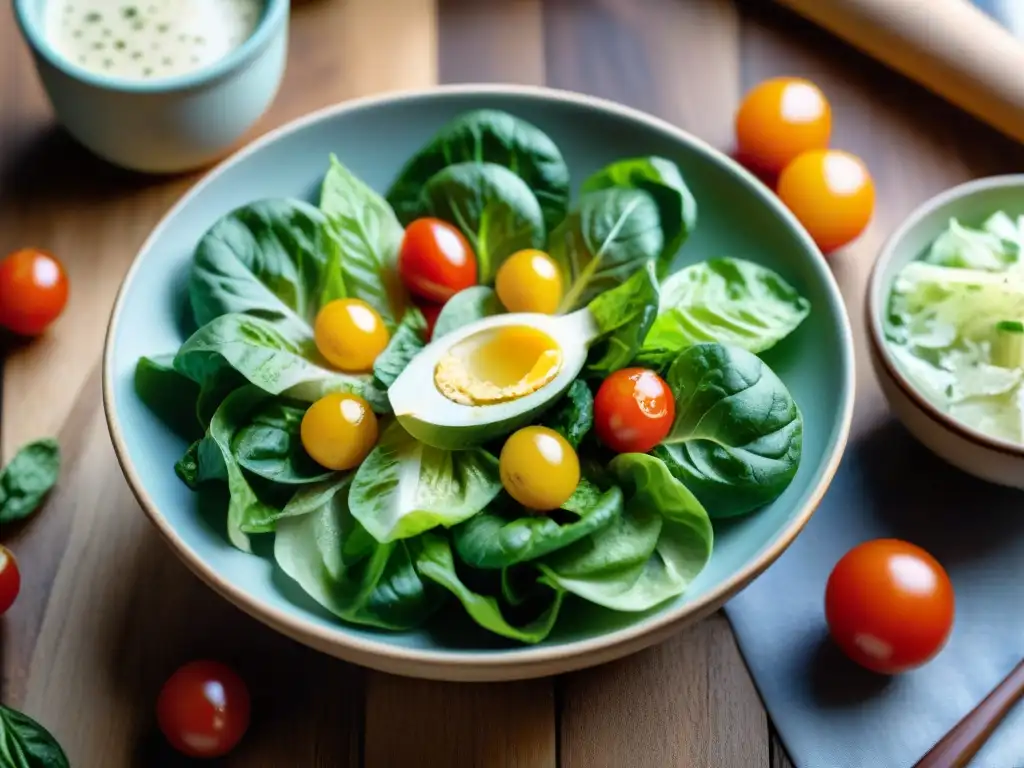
(273, 259)
(343, 568)
(737, 436)
(573, 415)
(488, 136)
(27, 478)
(624, 315)
(650, 554)
(661, 178)
(729, 301)
(610, 235)
(505, 534)
(269, 445)
(369, 236)
(493, 207)
(405, 343)
(465, 307)
(433, 558)
(168, 394)
(405, 487)
(274, 357)
(24, 743)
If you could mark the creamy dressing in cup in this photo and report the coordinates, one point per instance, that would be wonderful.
(148, 39)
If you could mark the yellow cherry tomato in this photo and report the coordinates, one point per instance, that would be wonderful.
(779, 119)
(350, 334)
(529, 281)
(831, 193)
(539, 468)
(339, 430)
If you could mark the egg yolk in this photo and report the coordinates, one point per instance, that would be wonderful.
(539, 468)
(498, 364)
(529, 281)
(339, 430)
(350, 334)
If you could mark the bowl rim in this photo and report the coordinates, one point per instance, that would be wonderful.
(275, 15)
(527, 661)
(877, 296)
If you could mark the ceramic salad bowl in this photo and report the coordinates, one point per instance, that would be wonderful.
(797, 360)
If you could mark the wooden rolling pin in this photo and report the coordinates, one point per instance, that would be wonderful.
(949, 46)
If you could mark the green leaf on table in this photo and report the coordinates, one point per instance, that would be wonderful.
(610, 235)
(487, 136)
(24, 743)
(27, 478)
(405, 487)
(370, 237)
(738, 434)
(493, 207)
(730, 301)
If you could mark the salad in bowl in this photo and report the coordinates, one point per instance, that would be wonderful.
(478, 390)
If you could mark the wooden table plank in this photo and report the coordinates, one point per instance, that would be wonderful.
(107, 611)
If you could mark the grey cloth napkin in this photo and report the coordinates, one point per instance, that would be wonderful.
(829, 712)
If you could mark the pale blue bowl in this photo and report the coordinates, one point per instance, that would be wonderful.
(738, 216)
(166, 125)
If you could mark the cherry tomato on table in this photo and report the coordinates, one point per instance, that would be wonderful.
(780, 119)
(33, 291)
(889, 605)
(831, 193)
(203, 709)
(633, 410)
(10, 579)
(435, 260)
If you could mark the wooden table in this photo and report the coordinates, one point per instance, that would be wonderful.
(107, 612)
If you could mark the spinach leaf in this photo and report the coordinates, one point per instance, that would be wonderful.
(661, 178)
(270, 445)
(370, 237)
(27, 478)
(730, 301)
(344, 569)
(505, 534)
(651, 554)
(247, 512)
(488, 136)
(168, 394)
(465, 307)
(624, 315)
(492, 206)
(434, 561)
(737, 437)
(573, 415)
(405, 343)
(610, 235)
(273, 259)
(405, 487)
(222, 382)
(24, 743)
(269, 356)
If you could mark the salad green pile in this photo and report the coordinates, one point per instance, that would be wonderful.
(955, 324)
(415, 526)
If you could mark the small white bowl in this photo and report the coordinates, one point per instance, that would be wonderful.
(989, 458)
(166, 125)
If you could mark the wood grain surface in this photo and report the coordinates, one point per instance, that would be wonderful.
(107, 612)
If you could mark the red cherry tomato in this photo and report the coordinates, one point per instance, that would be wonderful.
(33, 291)
(779, 119)
(633, 410)
(889, 605)
(435, 260)
(831, 193)
(10, 579)
(203, 709)
(430, 312)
